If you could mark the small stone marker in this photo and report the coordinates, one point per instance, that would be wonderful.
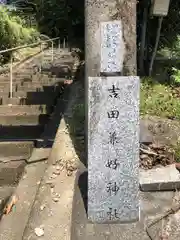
(112, 47)
(113, 149)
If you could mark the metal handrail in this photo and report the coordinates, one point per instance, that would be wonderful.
(26, 46)
(29, 45)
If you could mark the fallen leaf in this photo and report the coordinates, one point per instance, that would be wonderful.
(39, 232)
(10, 204)
(50, 183)
(56, 199)
(58, 168)
(52, 190)
(53, 176)
(42, 207)
(69, 173)
(57, 172)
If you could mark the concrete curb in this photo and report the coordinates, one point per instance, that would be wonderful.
(53, 216)
(12, 226)
(160, 179)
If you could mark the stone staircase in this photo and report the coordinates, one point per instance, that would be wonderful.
(24, 116)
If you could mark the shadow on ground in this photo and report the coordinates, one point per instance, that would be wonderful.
(83, 186)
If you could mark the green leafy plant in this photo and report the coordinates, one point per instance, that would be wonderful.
(157, 100)
(177, 152)
(79, 112)
(13, 32)
(175, 75)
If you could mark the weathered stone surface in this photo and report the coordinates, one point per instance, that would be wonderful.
(111, 45)
(164, 131)
(113, 149)
(39, 154)
(11, 172)
(13, 151)
(103, 11)
(160, 179)
(145, 135)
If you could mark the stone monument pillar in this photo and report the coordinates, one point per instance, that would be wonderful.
(112, 91)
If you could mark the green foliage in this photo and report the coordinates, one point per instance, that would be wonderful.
(79, 112)
(176, 149)
(169, 42)
(60, 18)
(157, 99)
(13, 31)
(176, 75)
(170, 31)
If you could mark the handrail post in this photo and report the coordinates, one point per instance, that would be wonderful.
(67, 43)
(52, 51)
(11, 76)
(41, 50)
(59, 44)
(64, 43)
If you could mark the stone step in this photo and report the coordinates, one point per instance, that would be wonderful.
(17, 110)
(4, 90)
(41, 75)
(24, 120)
(42, 82)
(14, 101)
(41, 98)
(55, 81)
(12, 150)
(6, 87)
(32, 88)
(36, 85)
(32, 99)
(11, 172)
(16, 75)
(50, 80)
(58, 79)
(3, 95)
(22, 80)
(22, 94)
(24, 73)
(42, 79)
(15, 81)
(45, 80)
(20, 132)
(5, 83)
(30, 94)
(25, 78)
